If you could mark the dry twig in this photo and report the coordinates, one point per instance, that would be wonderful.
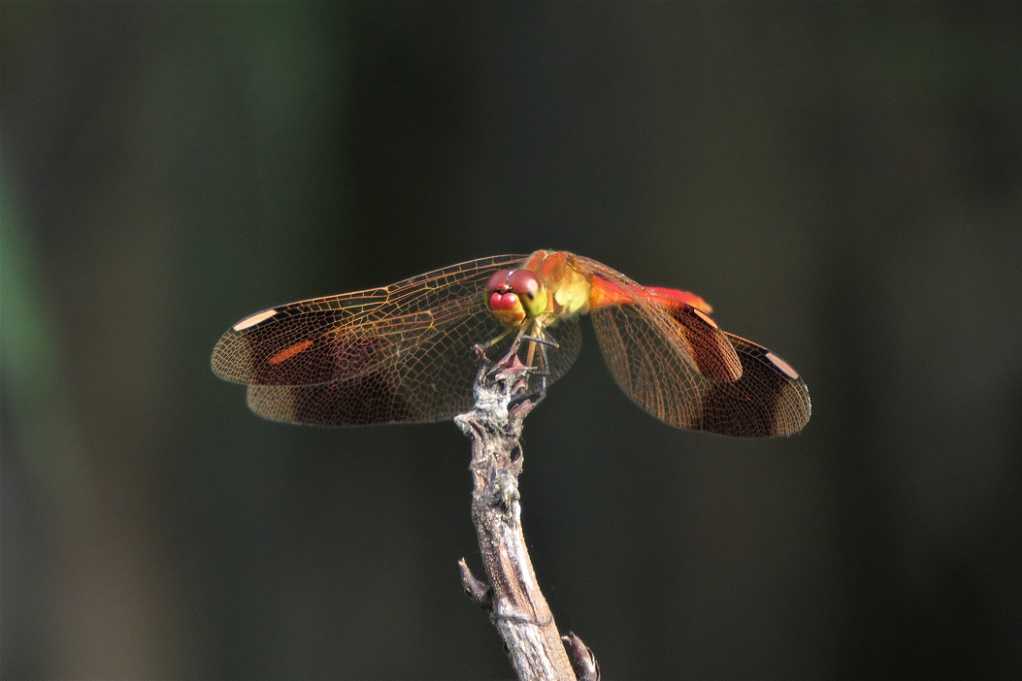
(517, 607)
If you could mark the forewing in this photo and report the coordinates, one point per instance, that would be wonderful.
(345, 336)
(767, 399)
(433, 382)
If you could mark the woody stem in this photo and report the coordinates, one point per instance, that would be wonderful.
(510, 591)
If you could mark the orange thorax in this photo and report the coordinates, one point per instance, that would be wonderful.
(573, 290)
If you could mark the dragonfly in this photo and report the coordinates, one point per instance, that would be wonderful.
(409, 352)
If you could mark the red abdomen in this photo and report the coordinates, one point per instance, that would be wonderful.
(605, 293)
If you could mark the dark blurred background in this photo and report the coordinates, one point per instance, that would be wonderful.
(845, 185)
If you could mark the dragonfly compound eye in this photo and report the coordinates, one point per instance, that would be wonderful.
(503, 301)
(498, 282)
(530, 290)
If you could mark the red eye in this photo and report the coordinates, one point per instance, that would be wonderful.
(498, 282)
(524, 283)
(503, 301)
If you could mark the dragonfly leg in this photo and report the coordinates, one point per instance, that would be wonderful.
(481, 348)
(536, 394)
(532, 338)
(511, 353)
(542, 339)
(545, 374)
(537, 365)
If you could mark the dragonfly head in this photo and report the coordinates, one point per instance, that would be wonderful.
(514, 295)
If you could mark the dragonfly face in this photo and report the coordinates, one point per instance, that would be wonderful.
(515, 295)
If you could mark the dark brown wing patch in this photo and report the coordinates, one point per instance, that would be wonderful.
(708, 345)
(769, 399)
(433, 383)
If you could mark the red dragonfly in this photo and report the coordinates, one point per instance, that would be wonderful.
(403, 353)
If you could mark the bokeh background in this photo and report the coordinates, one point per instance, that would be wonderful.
(845, 185)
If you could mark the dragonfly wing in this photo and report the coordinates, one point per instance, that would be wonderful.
(769, 399)
(657, 372)
(649, 365)
(429, 379)
(328, 339)
(688, 332)
(433, 382)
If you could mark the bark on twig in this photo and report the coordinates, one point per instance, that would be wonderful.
(517, 607)
(583, 660)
